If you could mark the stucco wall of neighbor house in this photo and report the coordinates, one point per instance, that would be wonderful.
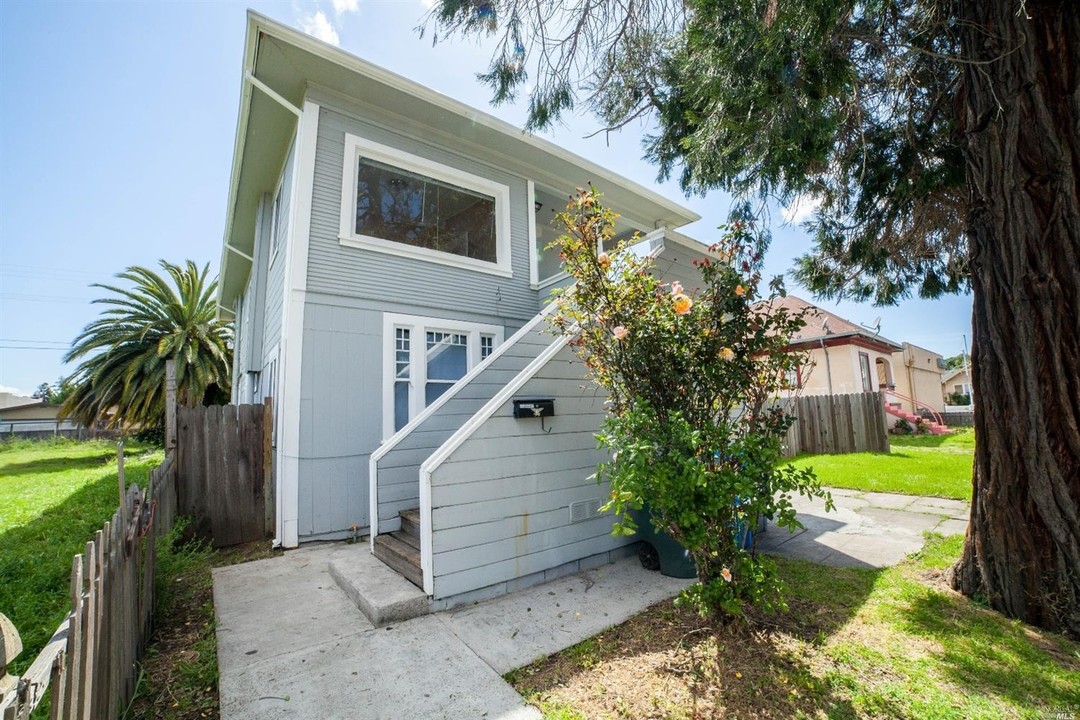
(399, 469)
(844, 366)
(918, 376)
(500, 502)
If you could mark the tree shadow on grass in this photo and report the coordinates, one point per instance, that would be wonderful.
(986, 652)
(60, 463)
(35, 558)
(668, 661)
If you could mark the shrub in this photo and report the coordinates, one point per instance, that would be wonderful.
(693, 377)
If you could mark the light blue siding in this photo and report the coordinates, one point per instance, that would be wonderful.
(250, 323)
(353, 272)
(675, 263)
(341, 416)
(501, 501)
(275, 284)
(399, 479)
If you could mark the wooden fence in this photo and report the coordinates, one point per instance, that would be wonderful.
(90, 660)
(224, 471)
(837, 424)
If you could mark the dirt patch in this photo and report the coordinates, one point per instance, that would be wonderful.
(670, 663)
(179, 671)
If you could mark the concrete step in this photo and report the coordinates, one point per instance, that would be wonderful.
(410, 523)
(401, 556)
(381, 594)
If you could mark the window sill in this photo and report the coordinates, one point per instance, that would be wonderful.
(422, 254)
(553, 280)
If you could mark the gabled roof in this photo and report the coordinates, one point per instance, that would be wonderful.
(950, 374)
(288, 63)
(824, 326)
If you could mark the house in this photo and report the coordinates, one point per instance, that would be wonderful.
(34, 418)
(848, 358)
(956, 382)
(918, 378)
(29, 409)
(385, 262)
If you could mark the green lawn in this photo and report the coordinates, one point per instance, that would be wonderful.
(856, 643)
(937, 465)
(53, 496)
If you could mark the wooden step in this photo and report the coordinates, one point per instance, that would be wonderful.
(408, 538)
(401, 556)
(410, 523)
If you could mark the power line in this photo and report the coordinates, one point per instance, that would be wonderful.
(31, 347)
(35, 342)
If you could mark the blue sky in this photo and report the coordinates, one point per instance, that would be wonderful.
(116, 132)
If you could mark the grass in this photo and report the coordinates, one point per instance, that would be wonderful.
(855, 643)
(936, 465)
(54, 494)
(179, 673)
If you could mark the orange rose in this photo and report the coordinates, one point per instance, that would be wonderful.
(682, 304)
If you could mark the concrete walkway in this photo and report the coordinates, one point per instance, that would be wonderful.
(291, 644)
(867, 529)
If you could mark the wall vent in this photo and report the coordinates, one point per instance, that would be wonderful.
(585, 510)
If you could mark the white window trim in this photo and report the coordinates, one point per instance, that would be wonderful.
(275, 202)
(356, 147)
(419, 327)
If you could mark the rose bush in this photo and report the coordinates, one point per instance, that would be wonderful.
(694, 377)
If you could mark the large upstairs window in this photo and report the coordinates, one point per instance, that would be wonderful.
(402, 204)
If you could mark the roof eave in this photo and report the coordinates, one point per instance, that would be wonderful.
(250, 50)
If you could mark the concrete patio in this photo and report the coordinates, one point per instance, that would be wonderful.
(293, 643)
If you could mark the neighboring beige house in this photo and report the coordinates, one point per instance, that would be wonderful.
(849, 358)
(843, 357)
(31, 409)
(956, 381)
(917, 374)
(10, 400)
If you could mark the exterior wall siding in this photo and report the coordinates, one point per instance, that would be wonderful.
(399, 478)
(918, 376)
(338, 270)
(500, 502)
(275, 283)
(341, 392)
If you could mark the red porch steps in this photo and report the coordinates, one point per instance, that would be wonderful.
(933, 427)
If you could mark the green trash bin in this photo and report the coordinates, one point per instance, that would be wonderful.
(659, 551)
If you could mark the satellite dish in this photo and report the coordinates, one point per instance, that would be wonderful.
(825, 326)
(875, 326)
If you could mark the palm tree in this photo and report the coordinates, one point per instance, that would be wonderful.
(124, 351)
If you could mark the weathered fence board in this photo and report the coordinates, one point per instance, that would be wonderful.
(837, 424)
(222, 461)
(90, 662)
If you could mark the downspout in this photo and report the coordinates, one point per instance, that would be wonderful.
(828, 365)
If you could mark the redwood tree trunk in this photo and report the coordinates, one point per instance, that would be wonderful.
(1021, 118)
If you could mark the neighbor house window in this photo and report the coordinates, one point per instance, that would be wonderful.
(864, 370)
(425, 357)
(403, 204)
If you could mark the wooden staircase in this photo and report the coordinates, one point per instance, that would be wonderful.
(401, 548)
